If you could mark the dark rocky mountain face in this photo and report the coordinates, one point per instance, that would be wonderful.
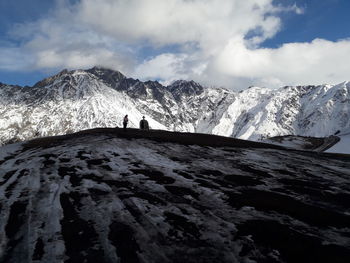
(64, 74)
(111, 77)
(182, 88)
(106, 195)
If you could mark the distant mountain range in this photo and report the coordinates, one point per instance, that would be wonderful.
(81, 99)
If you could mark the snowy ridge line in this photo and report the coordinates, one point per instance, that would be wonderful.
(328, 143)
(84, 99)
(341, 147)
(304, 142)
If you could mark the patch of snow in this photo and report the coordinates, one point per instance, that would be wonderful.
(343, 146)
(10, 149)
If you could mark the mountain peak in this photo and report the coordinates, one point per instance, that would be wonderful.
(46, 81)
(109, 76)
(184, 82)
(185, 87)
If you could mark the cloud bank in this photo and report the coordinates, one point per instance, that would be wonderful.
(215, 42)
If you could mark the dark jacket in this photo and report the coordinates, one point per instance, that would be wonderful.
(125, 119)
(144, 125)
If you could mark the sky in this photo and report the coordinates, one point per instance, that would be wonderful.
(229, 43)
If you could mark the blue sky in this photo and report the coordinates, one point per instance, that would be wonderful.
(328, 19)
(247, 44)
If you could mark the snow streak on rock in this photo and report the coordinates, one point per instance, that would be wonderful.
(100, 197)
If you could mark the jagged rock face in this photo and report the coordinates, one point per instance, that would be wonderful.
(316, 111)
(77, 100)
(104, 196)
(110, 77)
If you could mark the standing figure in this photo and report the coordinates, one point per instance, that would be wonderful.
(125, 122)
(144, 124)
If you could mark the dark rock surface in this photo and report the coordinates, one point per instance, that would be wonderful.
(106, 195)
(304, 142)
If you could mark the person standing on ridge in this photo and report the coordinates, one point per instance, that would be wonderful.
(144, 124)
(125, 122)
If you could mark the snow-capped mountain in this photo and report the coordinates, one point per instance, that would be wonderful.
(106, 195)
(82, 99)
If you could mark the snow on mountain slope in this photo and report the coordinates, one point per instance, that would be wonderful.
(83, 99)
(343, 146)
(107, 195)
(240, 117)
(304, 143)
(199, 108)
(317, 111)
(325, 109)
(67, 103)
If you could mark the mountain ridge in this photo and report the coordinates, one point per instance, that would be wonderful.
(82, 99)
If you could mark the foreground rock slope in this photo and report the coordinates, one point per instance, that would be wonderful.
(105, 195)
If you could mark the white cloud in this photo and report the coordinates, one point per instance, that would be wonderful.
(77, 58)
(292, 8)
(14, 58)
(318, 62)
(209, 23)
(166, 67)
(215, 42)
(61, 41)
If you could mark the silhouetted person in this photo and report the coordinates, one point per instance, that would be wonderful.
(144, 124)
(125, 122)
